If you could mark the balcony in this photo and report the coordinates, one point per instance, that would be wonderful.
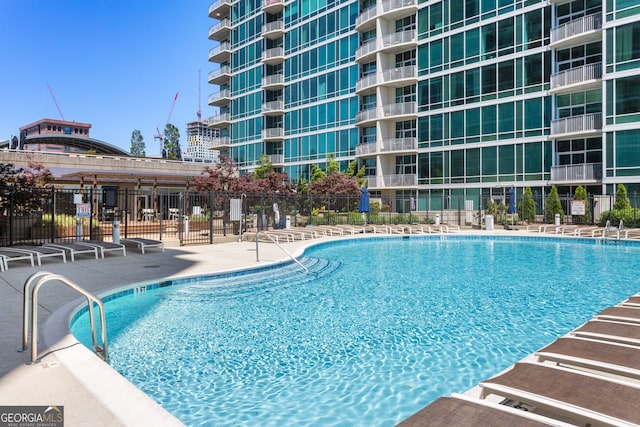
(273, 108)
(400, 76)
(399, 110)
(273, 134)
(577, 32)
(220, 53)
(366, 82)
(221, 120)
(580, 78)
(394, 180)
(220, 9)
(397, 42)
(220, 76)
(273, 30)
(273, 81)
(273, 56)
(276, 159)
(220, 31)
(366, 20)
(219, 98)
(273, 6)
(366, 116)
(364, 150)
(220, 143)
(585, 173)
(587, 124)
(366, 52)
(399, 145)
(394, 9)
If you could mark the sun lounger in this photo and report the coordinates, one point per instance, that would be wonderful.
(75, 248)
(617, 359)
(464, 412)
(609, 331)
(355, 229)
(621, 314)
(16, 255)
(43, 252)
(584, 397)
(143, 244)
(106, 246)
(632, 301)
(328, 230)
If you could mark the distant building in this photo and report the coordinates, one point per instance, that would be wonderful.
(200, 140)
(60, 136)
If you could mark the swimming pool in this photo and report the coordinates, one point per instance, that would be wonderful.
(379, 329)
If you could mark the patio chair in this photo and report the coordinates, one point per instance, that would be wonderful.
(9, 254)
(561, 392)
(618, 359)
(106, 246)
(462, 411)
(42, 252)
(605, 330)
(620, 314)
(143, 244)
(75, 248)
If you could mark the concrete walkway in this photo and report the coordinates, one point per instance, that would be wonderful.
(68, 374)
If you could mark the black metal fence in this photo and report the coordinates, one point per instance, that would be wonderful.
(191, 217)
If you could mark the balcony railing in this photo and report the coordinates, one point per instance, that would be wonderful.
(366, 115)
(399, 144)
(219, 7)
(273, 26)
(217, 143)
(366, 82)
(218, 97)
(400, 73)
(272, 5)
(273, 53)
(366, 15)
(273, 133)
(573, 173)
(366, 49)
(276, 159)
(400, 180)
(400, 38)
(366, 149)
(576, 27)
(577, 124)
(273, 106)
(577, 75)
(224, 24)
(401, 109)
(218, 51)
(216, 74)
(219, 119)
(391, 5)
(273, 80)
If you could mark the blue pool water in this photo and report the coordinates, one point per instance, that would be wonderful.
(379, 329)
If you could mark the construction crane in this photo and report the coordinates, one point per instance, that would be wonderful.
(54, 101)
(160, 135)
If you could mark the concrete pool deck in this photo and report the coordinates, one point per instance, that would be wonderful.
(68, 374)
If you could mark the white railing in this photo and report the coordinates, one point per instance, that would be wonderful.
(365, 149)
(276, 158)
(273, 79)
(400, 180)
(273, 26)
(273, 133)
(399, 38)
(219, 49)
(215, 143)
(366, 15)
(274, 52)
(399, 144)
(399, 73)
(400, 109)
(224, 69)
(213, 7)
(271, 3)
(582, 172)
(576, 75)
(576, 27)
(366, 81)
(272, 106)
(366, 48)
(366, 115)
(577, 124)
(372, 181)
(220, 25)
(389, 5)
(219, 118)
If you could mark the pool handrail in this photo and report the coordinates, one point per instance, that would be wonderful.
(306, 270)
(40, 278)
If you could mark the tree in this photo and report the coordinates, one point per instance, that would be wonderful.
(332, 164)
(317, 173)
(265, 167)
(335, 183)
(19, 187)
(622, 201)
(553, 206)
(581, 194)
(527, 206)
(622, 210)
(137, 144)
(172, 142)
(218, 177)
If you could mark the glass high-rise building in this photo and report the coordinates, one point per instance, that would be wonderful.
(435, 99)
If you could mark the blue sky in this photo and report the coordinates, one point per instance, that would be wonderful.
(115, 64)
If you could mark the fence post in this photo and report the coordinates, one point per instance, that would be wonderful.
(126, 212)
(161, 216)
(211, 198)
(11, 218)
(53, 214)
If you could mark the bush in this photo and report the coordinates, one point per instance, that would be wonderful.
(553, 207)
(527, 207)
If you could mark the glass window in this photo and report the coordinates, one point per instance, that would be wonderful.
(457, 47)
(489, 120)
(533, 69)
(628, 95)
(505, 34)
(489, 79)
(489, 40)
(533, 157)
(457, 163)
(533, 113)
(505, 75)
(506, 157)
(473, 162)
(628, 42)
(473, 122)
(456, 10)
(489, 161)
(457, 124)
(472, 78)
(472, 43)
(435, 16)
(435, 53)
(457, 85)
(627, 153)
(506, 117)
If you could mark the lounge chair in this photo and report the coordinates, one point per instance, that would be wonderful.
(75, 248)
(632, 301)
(605, 330)
(43, 252)
(328, 230)
(106, 246)
(585, 398)
(9, 254)
(619, 359)
(620, 314)
(460, 411)
(143, 244)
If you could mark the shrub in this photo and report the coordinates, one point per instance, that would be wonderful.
(527, 207)
(553, 206)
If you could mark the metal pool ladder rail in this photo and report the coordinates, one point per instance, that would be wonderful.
(30, 303)
(306, 270)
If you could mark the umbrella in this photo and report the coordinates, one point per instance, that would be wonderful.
(364, 208)
(512, 201)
